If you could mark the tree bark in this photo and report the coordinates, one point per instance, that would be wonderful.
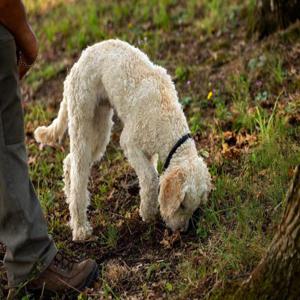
(277, 276)
(271, 15)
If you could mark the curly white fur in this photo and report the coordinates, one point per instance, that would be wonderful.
(115, 75)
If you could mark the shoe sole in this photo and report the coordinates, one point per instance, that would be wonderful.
(90, 279)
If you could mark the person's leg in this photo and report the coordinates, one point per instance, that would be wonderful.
(22, 226)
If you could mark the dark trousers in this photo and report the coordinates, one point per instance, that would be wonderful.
(22, 226)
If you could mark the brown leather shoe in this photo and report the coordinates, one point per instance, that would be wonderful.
(65, 276)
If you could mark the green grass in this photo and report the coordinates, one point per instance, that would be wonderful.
(110, 238)
(236, 226)
(67, 27)
(217, 14)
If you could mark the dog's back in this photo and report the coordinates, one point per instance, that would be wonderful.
(142, 94)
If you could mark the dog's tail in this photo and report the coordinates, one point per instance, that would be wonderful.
(55, 131)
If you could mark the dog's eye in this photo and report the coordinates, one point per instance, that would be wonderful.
(182, 206)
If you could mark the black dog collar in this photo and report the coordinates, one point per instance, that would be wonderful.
(174, 149)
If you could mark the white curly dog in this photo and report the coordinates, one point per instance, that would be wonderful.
(113, 75)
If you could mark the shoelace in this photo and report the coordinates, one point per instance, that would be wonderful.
(63, 262)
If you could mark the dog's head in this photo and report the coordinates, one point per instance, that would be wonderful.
(182, 189)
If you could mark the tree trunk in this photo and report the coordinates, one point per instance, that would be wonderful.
(278, 274)
(272, 15)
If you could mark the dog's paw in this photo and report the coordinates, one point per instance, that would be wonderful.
(149, 215)
(82, 233)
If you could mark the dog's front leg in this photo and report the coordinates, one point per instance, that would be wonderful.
(148, 180)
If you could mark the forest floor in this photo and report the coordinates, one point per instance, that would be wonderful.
(242, 100)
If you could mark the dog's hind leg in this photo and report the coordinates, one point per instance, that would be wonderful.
(67, 172)
(78, 198)
(102, 125)
(77, 169)
(89, 136)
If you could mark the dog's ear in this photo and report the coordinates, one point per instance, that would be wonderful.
(171, 193)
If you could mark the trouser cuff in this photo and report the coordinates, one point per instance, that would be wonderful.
(38, 269)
